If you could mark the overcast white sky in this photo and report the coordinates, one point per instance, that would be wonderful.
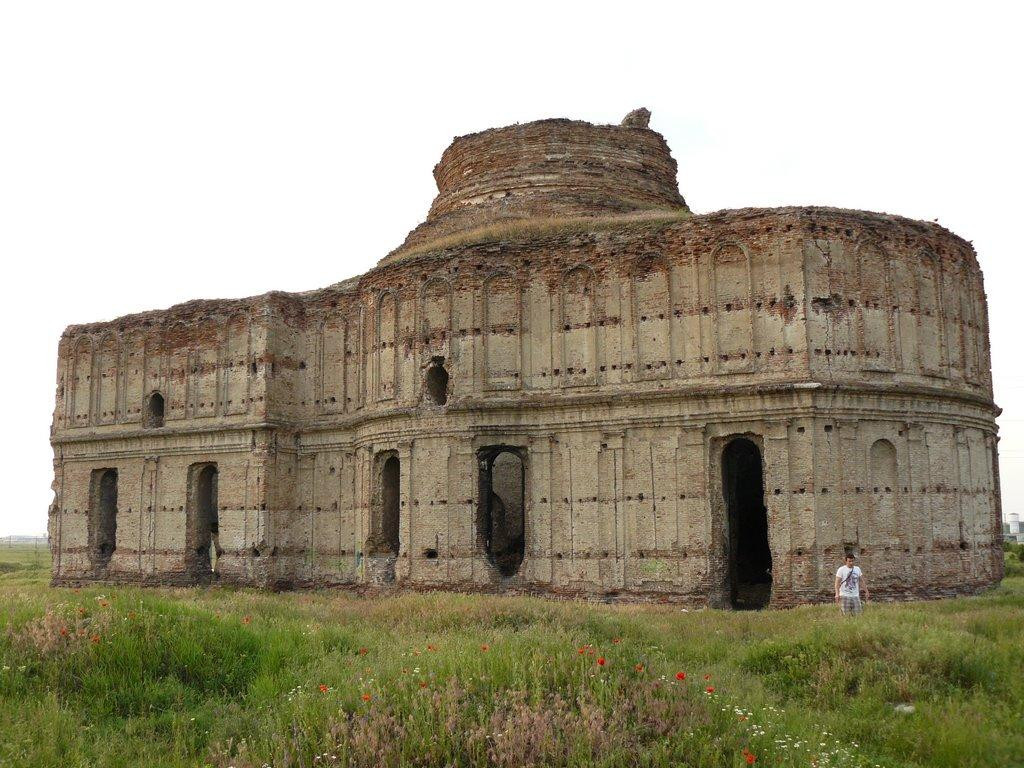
(152, 153)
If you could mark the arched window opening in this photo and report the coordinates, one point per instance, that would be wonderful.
(501, 515)
(154, 411)
(750, 557)
(203, 525)
(103, 517)
(437, 382)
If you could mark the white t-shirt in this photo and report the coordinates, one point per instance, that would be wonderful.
(849, 581)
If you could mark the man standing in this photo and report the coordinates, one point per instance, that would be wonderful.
(849, 580)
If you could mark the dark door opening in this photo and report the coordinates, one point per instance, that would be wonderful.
(103, 521)
(501, 516)
(205, 523)
(750, 558)
(390, 479)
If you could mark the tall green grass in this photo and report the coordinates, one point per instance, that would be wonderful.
(225, 677)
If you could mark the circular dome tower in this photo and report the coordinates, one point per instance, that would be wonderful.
(550, 169)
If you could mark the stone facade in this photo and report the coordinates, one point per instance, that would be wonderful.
(562, 382)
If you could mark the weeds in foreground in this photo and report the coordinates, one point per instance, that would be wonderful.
(225, 677)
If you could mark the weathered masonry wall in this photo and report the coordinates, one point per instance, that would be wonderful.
(616, 361)
(155, 541)
(640, 509)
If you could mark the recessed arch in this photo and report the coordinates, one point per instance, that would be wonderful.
(731, 294)
(644, 265)
(81, 382)
(651, 299)
(579, 339)
(107, 374)
(387, 329)
(876, 330)
(930, 315)
(883, 466)
(502, 313)
(436, 310)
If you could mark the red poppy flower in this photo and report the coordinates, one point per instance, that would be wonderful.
(95, 638)
(710, 689)
(366, 697)
(485, 647)
(63, 631)
(680, 675)
(616, 640)
(431, 647)
(247, 619)
(750, 758)
(600, 661)
(363, 651)
(639, 667)
(323, 688)
(423, 683)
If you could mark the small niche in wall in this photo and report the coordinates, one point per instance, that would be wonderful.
(436, 382)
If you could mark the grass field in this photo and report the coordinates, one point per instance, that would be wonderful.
(227, 677)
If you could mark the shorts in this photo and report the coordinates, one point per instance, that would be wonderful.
(850, 604)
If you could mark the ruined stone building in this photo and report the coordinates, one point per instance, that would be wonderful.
(562, 382)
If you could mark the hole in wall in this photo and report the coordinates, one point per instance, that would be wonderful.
(436, 382)
(154, 411)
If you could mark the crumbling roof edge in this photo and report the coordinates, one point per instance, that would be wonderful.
(188, 310)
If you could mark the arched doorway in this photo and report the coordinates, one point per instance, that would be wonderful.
(203, 524)
(750, 557)
(501, 515)
(103, 517)
(383, 541)
(390, 480)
